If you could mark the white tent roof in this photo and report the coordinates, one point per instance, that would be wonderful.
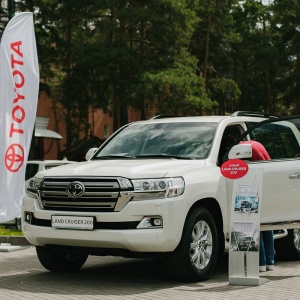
(41, 124)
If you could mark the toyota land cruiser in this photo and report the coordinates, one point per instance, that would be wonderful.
(154, 188)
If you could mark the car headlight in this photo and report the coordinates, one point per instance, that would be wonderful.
(158, 188)
(34, 184)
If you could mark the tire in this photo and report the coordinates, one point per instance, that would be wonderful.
(288, 248)
(196, 256)
(58, 260)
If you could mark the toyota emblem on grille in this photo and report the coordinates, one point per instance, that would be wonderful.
(75, 189)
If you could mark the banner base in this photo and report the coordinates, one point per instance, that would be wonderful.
(249, 281)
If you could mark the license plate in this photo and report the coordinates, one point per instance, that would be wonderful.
(72, 222)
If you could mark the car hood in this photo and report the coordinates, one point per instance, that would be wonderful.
(130, 168)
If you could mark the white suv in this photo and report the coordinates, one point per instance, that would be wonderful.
(155, 188)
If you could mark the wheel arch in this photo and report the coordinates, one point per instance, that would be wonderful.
(212, 205)
(180, 264)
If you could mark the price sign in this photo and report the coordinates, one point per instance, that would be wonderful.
(234, 168)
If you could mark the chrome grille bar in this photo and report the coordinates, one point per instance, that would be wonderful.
(99, 185)
(113, 195)
(79, 204)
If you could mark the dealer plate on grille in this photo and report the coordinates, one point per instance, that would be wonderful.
(72, 222)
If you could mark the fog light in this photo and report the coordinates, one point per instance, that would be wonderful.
(157, 222)
(28, 217)
(151, 222)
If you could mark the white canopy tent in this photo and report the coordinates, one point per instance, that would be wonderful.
(41, 124)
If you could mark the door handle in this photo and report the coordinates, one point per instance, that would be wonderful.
(294, 176)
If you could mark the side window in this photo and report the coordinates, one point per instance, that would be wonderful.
(31, 170)
(230, 136)
(279, 139)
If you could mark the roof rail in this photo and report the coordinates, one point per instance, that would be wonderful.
(163, 116)
(252, 114)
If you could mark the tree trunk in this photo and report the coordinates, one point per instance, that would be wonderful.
(206, 50)
(268, 108)
(69, 125)
(297, 96)
(122, 90)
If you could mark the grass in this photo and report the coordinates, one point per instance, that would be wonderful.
(10, 232)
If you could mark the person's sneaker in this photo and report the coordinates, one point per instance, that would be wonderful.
(262, 268)
(270, 268)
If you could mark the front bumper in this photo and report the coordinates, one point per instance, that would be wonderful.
(110, 231)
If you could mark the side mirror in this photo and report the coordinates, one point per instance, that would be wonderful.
(240, 151)
(90, 153)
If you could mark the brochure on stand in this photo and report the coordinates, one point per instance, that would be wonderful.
(244, 237)
(246, 199)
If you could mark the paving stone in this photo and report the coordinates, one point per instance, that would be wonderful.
(116, 278)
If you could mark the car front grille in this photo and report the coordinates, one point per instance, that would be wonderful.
(100, 194)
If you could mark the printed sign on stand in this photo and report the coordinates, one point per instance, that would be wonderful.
(245, 229)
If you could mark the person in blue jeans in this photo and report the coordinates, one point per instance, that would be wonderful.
(266, 251)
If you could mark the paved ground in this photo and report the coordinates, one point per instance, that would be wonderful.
(110, 278)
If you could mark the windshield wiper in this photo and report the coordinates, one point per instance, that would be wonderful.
(116, 156)
(122, 156)
(163, 156)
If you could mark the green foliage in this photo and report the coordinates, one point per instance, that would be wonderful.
(10, 232)
(226, 93)
(167, 56)
(176, 90)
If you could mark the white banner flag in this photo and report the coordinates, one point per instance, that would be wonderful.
(19, 84)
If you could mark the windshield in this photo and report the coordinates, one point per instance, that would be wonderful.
(186, 140)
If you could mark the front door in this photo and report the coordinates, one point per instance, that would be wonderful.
(281, 175)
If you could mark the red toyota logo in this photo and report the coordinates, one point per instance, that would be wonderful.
(14, 157)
